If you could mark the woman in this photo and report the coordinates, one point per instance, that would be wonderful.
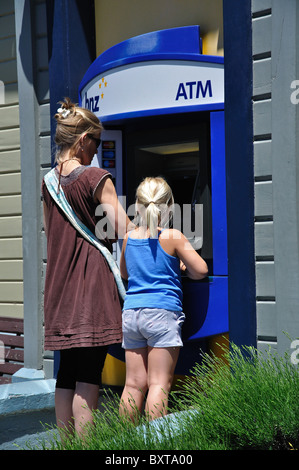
(81, 302)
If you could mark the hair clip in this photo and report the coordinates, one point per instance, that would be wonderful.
(64, 112)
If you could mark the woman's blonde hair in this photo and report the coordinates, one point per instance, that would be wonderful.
(154, 201)
(72, 122)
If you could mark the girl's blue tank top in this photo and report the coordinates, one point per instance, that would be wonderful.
(154, 276)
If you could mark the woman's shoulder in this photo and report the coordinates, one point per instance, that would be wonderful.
(95, 172)
(95, 176)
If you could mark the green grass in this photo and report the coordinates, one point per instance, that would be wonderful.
(251, 404)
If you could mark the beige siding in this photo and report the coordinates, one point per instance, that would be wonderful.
(11, 263)
(262, 126)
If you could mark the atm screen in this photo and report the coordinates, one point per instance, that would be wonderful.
(181, 154)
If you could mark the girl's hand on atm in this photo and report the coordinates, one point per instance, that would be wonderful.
(182, 267)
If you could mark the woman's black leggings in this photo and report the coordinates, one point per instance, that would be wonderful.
(81, 365)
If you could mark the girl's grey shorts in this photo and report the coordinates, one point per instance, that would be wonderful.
(153, 327)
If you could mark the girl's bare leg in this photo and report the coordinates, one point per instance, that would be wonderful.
(136, 382)
(161, 366)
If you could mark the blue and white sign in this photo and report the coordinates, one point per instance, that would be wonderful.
(154, 85)
(158, 77)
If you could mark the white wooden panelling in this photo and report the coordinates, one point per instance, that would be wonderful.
(285, 68)
(10, 248)
(260, 5)
(9, 139)
(262, 158)
(264, 246)
(262, 127)
(11, 93)
(267, 346)
(9, 116)
(10, 161)
(262, 117)
(265, 279)
(11, 226)
(266, 319)
(10, 183)
(12, 310)
(261, 35)
(11, 265)
(10, 205)
(11, 292)
(45, 150)
(11, 270)
(44, 119)
(262, 77)
(263, 199)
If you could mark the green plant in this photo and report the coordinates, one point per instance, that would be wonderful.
(244, 399)
(252, 403)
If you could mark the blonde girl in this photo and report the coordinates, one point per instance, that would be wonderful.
(152, 316)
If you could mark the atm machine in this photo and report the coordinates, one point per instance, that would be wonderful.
(161, 102)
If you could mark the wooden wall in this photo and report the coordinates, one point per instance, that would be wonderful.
(11, 262)
(33, 85)
(264, 246)
(275, 118)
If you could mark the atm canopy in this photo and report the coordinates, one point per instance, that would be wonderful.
(156, 73)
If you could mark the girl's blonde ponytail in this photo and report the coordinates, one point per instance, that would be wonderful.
(153, 198)
(153, 217)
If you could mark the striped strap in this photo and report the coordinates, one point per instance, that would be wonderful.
(51, 181)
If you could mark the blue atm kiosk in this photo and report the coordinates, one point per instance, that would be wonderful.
(161, 102)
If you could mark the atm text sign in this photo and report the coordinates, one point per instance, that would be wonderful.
(154, 85)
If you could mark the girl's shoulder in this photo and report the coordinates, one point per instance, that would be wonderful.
(170, 240)
(171, 234)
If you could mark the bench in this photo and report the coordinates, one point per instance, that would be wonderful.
(11, 347)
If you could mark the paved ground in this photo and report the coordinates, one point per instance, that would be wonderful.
(20, 429)
(26, 430)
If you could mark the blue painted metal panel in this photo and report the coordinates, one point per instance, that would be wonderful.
(218, 180)
(240, 170)
(120, 118)
(190, 355)
(206, 302)
(205, 307)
